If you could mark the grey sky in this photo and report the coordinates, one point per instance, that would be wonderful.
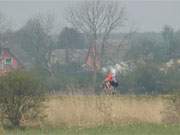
(144, 15)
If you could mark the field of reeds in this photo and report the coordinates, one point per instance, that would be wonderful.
(116, 115)
(87, 111)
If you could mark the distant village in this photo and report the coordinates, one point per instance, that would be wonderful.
(13, 57)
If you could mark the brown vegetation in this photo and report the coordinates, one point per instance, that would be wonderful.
(97, 110)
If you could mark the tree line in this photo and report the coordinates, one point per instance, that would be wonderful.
(92, 25)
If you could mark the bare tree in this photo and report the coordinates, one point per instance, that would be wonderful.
(97, 19)
(4, 24)
(48, 22)
(4, 27)
(36, 39)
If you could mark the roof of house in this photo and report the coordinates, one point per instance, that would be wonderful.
(75, 55)
(7, 49)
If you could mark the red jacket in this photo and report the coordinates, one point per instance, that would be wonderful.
(109, 77)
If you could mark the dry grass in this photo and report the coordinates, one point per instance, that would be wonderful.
(97, 110)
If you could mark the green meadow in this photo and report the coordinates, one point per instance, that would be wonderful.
(129, 129)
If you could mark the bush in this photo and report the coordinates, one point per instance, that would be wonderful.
(20, 92)
(64, 80)
(172, 80)
(146, 78)
(71, 75)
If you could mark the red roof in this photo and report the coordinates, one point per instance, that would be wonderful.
(8, 61)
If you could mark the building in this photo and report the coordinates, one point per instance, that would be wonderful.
(8, 61)
(75, 56)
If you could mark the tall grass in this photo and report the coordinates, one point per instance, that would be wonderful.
(99, 110)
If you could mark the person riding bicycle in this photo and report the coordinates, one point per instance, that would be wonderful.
(108, 79)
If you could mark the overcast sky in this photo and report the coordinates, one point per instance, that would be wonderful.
(144, 15)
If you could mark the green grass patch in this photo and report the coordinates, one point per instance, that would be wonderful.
(131, 129)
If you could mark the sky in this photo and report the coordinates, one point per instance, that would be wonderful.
(143, 15)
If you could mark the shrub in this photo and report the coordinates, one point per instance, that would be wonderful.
(71, 75)
(172, 80)
(146, 78)
(20, 92)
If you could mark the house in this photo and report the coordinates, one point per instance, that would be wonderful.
(75, 56)
(8, 61)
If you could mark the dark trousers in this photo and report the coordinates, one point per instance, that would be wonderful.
(114, 84)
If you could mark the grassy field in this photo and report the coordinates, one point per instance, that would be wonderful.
(132, 129)
(88, 115)
(90, 111)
